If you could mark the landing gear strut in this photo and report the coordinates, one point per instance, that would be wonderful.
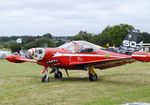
(92, 74)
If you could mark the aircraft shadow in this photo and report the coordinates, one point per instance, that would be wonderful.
(104, 79)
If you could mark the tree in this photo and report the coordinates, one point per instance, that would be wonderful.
(42, 42)
(15, 47)
(145, 37)
(113, 35)
(48, 35)
(83, 35)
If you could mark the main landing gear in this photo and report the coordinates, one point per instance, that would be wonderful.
(92, 74)
(58, 75)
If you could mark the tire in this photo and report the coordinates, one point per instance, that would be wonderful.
(93, 77)
(58, 75)
(45, 78)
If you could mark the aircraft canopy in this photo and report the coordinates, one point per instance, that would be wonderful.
(80, 46)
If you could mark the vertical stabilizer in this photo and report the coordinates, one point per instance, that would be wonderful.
(129, 44)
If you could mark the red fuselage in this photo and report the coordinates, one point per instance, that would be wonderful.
(60, 57)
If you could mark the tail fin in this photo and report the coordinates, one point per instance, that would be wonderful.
(129, 44)
(139, 46)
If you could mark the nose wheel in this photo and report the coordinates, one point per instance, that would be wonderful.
(45, 78)
(92, 74)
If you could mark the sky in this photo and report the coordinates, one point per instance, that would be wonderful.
(68, 17)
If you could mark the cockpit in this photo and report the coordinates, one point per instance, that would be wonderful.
(80, 46)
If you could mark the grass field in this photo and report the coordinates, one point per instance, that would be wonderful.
(20, 84)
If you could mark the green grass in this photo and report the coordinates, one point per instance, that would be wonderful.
(20, 84)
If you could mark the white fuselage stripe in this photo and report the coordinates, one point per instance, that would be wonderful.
(86, 55)
(139, 55)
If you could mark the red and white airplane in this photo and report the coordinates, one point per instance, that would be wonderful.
(78, 55)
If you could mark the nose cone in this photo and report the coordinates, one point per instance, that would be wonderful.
(14, 58)
(9, 58)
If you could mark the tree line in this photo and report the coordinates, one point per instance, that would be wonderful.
(110, 36)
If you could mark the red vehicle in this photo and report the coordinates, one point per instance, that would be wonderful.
(77, 55)
(82, 55)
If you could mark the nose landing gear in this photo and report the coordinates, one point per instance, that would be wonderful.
(45, 78)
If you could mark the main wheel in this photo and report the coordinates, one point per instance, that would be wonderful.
(92, 77)
(58, 75)
(45, 78)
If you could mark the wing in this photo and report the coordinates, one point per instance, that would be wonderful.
(106, 63)
(19, 59)
(96, 60)
(142, 56)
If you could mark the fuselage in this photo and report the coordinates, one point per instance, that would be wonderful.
(62, 58)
